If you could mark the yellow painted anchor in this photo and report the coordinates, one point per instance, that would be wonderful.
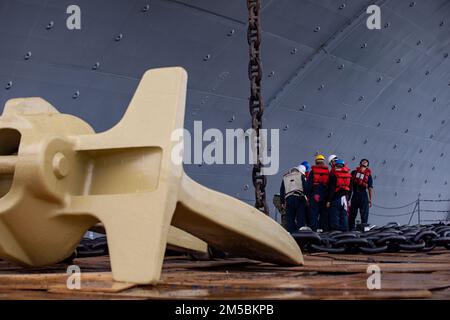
(58, 178)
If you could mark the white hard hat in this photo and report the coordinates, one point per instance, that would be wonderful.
(302, 169)
(331, 158)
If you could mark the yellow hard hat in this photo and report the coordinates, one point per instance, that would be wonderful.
(320, 157)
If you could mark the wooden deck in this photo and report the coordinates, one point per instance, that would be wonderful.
(324, 276)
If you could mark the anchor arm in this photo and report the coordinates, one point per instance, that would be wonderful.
(232, 225)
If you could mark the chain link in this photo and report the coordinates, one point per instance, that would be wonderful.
(255, 101)
(389, 238)
(91, 248)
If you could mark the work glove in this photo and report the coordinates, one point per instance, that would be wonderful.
(344, 203)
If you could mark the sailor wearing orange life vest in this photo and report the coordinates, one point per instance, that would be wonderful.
(362, 193)
(339, 191)
(317, 189)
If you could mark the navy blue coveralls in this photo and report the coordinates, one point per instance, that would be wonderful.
(338, 215)
(360, 200)
(295, 208)
(317, 198)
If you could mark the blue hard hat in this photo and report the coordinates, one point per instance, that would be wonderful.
(306, 165)
(339, 162)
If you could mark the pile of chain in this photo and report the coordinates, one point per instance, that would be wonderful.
(92, 247)
(389, 238)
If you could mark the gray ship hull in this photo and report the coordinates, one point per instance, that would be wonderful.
(330, 84)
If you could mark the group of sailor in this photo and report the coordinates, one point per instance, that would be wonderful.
(326, 198)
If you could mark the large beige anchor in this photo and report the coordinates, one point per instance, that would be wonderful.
(58, 178)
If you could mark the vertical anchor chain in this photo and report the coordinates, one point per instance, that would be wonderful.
(256, 101)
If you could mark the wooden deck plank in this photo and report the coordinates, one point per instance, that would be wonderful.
(324, 276)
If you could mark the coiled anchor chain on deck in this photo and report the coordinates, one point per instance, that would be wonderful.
(389, 238)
